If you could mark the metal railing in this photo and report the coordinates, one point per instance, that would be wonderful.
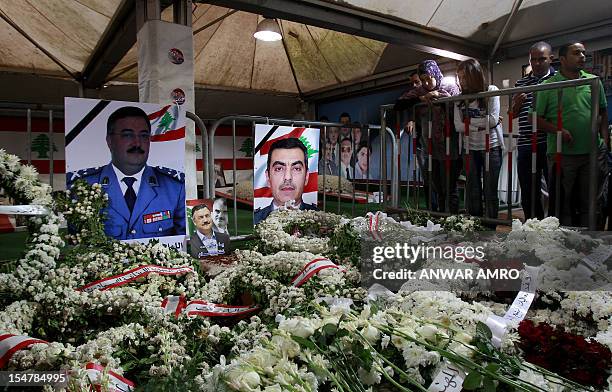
(392, 195)
(558, 86)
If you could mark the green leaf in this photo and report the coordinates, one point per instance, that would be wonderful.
(489, 385)
(329, 329)
(472, 381)
(483, 330)
(305, 343)
(493, 367)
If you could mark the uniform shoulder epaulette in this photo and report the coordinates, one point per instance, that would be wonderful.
(172, 173)
(79, 174)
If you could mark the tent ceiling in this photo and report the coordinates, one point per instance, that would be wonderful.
(61, 37)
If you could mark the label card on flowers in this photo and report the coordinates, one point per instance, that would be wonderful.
(208, 232)
(448, 379)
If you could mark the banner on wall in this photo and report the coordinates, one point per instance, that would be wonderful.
(135, 152)
(285, 169)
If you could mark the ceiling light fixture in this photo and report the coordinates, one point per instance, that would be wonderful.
(268, 30)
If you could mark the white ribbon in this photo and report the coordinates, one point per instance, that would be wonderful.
(131, 275)
(519, 308)
(117, 383)
(34, 210)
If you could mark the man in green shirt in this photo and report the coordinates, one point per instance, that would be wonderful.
(576, 132)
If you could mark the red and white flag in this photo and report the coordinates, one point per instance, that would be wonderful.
(117, 382)
(265, 135)
(311, 269)
(168, 123)
(10, 344)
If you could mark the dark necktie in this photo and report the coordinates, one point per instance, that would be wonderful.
(348, 174)
(130, 194)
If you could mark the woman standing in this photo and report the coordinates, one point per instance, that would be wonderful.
(485, 134)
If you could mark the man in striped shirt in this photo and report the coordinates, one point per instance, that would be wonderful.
(540, 58)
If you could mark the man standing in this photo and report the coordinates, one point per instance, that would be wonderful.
(576, 132)
(540, 58)
(144, 201)
(206, 241)
(286, 175)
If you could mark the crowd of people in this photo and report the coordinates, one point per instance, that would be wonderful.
(468, 137)
(479, 123)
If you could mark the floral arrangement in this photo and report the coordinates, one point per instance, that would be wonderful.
(335, 184)
(312, 332)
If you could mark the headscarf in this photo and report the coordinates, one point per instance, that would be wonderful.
(446, 89)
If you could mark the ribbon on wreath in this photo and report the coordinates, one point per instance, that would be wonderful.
(518, 309)
(208, 309)
(311, 269)
(374, 225)
(131, 275)
(31, 210)
(449, 378)
(10, 344)
(117, 382)
(174, 304)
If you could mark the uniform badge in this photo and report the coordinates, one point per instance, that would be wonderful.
(156, 216)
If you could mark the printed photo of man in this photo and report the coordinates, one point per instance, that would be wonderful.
(286, 175)
(220, 215)
(144, 201)
(206, 240)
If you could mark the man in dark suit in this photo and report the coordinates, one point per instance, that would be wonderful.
(286, 175)
(206, 241)
(144, 201)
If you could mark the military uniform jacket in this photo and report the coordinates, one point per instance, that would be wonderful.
(160, 204)
(262, 213)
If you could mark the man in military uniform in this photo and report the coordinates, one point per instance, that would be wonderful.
(286, 175)
(206, 241)
(144, 201)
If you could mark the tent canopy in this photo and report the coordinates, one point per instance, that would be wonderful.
(65, 38)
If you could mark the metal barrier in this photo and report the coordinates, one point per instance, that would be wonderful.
(254, 120)
(559, 86)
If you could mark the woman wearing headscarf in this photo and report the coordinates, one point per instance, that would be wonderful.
(434, 86)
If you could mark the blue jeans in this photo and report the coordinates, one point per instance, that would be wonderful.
(480, 184)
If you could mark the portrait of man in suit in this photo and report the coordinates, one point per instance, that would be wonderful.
(286, 175)
(144, 201)
(206, 240)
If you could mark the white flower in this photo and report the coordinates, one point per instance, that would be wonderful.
(298, 326)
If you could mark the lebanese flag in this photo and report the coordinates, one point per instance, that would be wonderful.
(265, 136)
(167, 124)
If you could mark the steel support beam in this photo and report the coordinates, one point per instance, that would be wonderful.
(592, 32)
(115, 43)
(362, 23)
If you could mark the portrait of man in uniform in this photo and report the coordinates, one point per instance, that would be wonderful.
(206, 240)
(287, 176)
(144, 201)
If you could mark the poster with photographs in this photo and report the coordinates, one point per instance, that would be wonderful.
(208, 234)
(135, 152)
(285, 169)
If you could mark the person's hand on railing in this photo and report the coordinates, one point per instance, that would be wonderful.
(409, 127)
(430, 96)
